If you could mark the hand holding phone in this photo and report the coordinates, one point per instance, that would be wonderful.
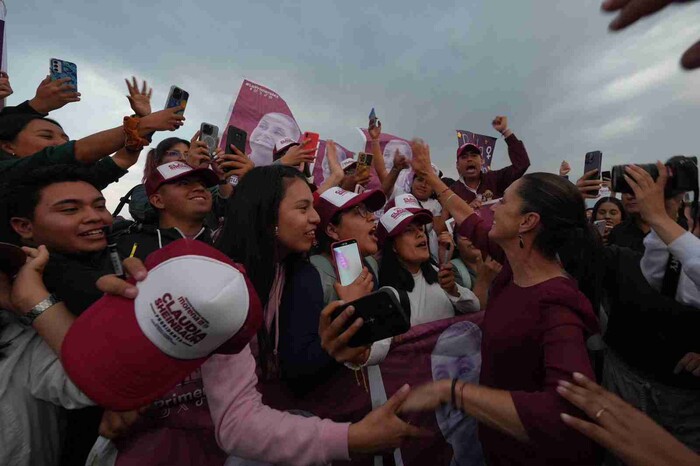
(346, 261)
(384, 313)
(209, 134)
(60, 69)
(235, 137)
(594, 161)
(600, 226)
(364, 162)
(177, 98)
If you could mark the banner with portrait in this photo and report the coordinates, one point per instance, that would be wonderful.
(265, 117)
(321, 169)
(388, 144)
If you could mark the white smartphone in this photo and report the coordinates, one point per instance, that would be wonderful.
(347, 261)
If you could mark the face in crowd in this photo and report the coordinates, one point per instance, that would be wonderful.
(420, 188)
(69, 218)
(610, 212)
(357, 223)
(187, 199)
(412, 245)
(297, 221)
(36, 136)
(469, 165)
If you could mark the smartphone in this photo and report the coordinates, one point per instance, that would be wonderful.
(373, 120)
(607, 175)
(209, 134)
(235, 137)
(177, 98)
(312, 143)
(384, 315)
(12, 258)
(600, 226)
(450, 224)
(64, 69)
(594, 161)
(364, 162)
(347, 261)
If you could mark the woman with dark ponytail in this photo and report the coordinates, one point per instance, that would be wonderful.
(537, 320)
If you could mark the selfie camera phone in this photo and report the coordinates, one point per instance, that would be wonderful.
(209, 134)
(594, 161)
(385, 314)
(347, 261)
(64, 69)
(373, 120)
(235, 137)
(177, 98)
(600, 226)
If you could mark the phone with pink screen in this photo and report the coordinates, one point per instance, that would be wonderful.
(347, 261)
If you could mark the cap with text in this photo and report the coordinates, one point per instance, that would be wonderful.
(348, 163)
(283, 145)
(337, 199)
(177, 170)
(125, 353)
(397, 219)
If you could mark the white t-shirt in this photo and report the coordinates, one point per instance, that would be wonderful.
(429, 302)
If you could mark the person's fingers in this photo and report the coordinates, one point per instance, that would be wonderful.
(681, 364)
(691, 58)
(45, 81)
(344, 337)
(195, 138)
(135, 268)
(394, 403)
(144, 88)
(635, 10)
(128, 86)
(113, 285)
(328, 311)
(692, 365)
(150, 93)
(633, 184)
(596, 407)
(613, 5)
(663, 174)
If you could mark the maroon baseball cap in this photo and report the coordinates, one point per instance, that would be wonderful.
(468, 148)
(337, 199)
(173, 171)
(126, 353)
(397, 219)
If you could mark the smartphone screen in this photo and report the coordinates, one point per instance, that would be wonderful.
(348, 263)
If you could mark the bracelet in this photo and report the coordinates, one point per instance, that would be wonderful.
(443, 191)
(450, 197)
(452, 392)
(134, 142)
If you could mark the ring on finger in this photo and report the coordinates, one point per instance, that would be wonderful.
(600, 412)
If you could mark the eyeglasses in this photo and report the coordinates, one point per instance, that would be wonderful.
(361, 210)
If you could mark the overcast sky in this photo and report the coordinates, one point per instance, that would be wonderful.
(566, 83)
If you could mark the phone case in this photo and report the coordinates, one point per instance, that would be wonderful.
(383, 315)
(594, 161)
(236, 137)
(336, 245)
(313, 139)
(63, 69)
(177, 97)
(211, 138)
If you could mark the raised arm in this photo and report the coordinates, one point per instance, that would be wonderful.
(519, 160)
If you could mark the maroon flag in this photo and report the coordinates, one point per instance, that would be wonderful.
(265, 117)
(321, 169)
(485, 143)
(443, 349)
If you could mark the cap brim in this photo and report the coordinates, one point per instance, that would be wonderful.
(106, 354)
(466, 146)
(205, 174)
(374, 199)
(423, 216)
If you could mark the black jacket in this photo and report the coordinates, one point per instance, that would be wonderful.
(144, 239)
(651, 332)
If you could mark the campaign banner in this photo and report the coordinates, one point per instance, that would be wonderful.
(389, 144)
(485, 143)
(321, 169)
(265, 117)
(443, 349)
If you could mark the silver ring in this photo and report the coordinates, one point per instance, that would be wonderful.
(600, 412)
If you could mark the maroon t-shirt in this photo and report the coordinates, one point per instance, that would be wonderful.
(532, 338)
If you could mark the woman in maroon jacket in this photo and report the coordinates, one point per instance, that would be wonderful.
(536, 322)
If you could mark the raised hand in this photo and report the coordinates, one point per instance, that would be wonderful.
(564, 168)
(421, 157)
(500, 124)
(27, 289)
(400, 161)
(198, 154)
(163, 120)
(140, 100)
(630, 11)
(446, 279)
(375, 131)
(52, 95)
(236, 164)
(589, 187)
(488, 269)
(689, 363)
(296, 155)
(649, 193)
(5, 87)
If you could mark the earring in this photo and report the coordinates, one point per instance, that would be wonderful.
(520, 241)
(277, 231)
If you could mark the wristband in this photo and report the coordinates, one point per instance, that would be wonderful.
(28, 318)
(134, 142)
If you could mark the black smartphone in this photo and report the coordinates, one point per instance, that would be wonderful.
(594, 161)
(384, 315)
(235, 137)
